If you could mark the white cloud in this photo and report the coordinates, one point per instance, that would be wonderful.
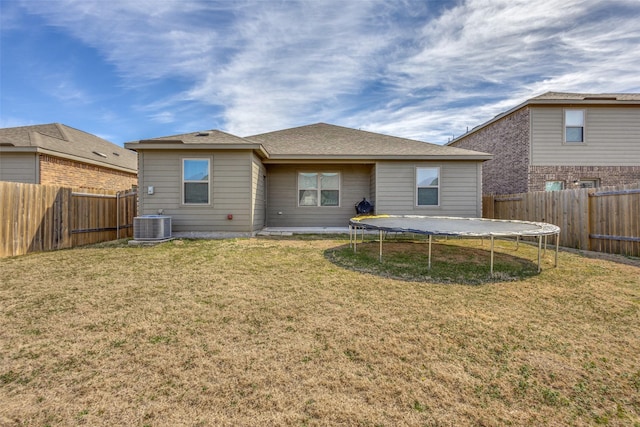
(424, 70)
(482, 58)
(163, 117)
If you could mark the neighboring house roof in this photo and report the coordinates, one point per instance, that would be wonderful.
(325, 141)
(588, 97)
(563, 98)
(63, 141)
(319, 141)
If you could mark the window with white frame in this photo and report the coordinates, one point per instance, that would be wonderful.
(589, 183)
(573, 126)
(554, 185)
(195, 181)
(427, 186)
(319, 189)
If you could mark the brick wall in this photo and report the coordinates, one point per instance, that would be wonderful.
(607, 175)
(69, 173)
(508, 140)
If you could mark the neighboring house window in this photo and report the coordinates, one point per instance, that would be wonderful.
(554, 185)
(574, 126)
(195, 181)
(319, 189)
(428, 186)
(588, 183)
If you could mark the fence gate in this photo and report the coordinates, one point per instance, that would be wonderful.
(37, 217)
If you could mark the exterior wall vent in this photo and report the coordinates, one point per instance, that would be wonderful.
(151, 227)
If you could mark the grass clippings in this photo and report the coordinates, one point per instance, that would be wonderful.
(277, 332)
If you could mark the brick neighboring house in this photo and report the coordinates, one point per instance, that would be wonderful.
(560, 141)
(56, 154)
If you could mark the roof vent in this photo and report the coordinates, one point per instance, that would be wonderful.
(203, 133)
(116, 154)
(97, 153)
(600, 98)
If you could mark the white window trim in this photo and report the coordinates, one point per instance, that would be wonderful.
(183, 181)
(564, 127)
(439, 187)
(556, 180)
(594, 181)
(318, 188)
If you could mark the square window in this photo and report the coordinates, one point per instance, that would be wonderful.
(308, 198)
(319, 189)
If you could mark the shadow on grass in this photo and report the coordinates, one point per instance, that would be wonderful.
(450, 263)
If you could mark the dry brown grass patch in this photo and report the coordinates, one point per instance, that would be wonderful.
(270, 332)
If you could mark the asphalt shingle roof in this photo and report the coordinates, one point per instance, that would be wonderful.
(67, 141)
(325, 140)
(564, 96)
(201, 137)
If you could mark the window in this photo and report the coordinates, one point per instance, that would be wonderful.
(553, 185)
(318, 189)
(195, 181)
(574, 126)
(588, 183)
(428, 186)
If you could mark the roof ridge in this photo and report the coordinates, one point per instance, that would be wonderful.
(65, 135)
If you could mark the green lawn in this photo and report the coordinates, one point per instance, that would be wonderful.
(303, 332)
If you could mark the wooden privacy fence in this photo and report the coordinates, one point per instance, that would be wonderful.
(598, 219)
(44, 217)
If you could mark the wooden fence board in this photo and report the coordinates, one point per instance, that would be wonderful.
(42, 217)
(602, 219)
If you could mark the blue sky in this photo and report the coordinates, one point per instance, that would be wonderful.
(427, 70)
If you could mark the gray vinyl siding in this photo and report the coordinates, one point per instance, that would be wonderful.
(229, 193)
(372, 185)
(612, 138)
(258, 193)
(19, 167)
(460, 189)
(282, 196)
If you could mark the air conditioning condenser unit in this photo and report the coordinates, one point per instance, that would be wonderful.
(151, 227)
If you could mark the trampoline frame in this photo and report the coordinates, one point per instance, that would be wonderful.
(543, 230)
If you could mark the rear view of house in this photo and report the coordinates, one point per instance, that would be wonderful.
(56, 154)
(310, 176)
(560, 140)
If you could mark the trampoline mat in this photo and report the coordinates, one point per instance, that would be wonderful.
(454, 226)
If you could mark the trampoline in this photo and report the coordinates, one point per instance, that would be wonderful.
(454, 226)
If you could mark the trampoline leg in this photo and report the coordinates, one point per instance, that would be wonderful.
(429, 265)
(517, 242)
(380, 245)
(355, 240)
(491, 268)
(539, 250)
(555, 264)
